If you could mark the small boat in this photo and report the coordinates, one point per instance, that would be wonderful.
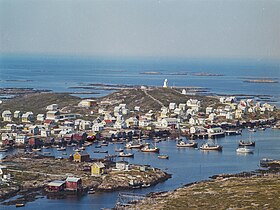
(82, 148)
(248, 143)
(36, 150)
(163, 156)
(91, 191)
(46, 153)
(96, 151)
(244, 150)
(98, 146)
(262, 128)
(122, 154)
(208, 146)
(147, 148)
(252, 130)
(20, 204)
(184, 144)
(3, 150)
(45, 147)
(77, 150)
(104, 143)
(61, 149)
(133, 145)
(119, 150)
(64, 153)
(106, 151)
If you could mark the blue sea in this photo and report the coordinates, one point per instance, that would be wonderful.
(61, 74)
(186, 165)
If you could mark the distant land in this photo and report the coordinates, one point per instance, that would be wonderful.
(261, 81)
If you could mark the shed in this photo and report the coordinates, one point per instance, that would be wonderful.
(56, 186)
(81, 156)
(73, 183)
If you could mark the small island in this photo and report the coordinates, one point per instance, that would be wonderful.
(261, 81)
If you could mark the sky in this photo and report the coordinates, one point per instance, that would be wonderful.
(178, 28)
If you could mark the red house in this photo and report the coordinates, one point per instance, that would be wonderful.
(82, 136)
(73, 183)
(56, 186)
(35, 142)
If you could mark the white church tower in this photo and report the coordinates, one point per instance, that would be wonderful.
(165, 83)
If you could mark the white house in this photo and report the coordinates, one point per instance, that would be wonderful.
(53, 115)
(45, 132)
(34, 129)
(209, 110)
(212, 116)
(27, 117)
(172, 106)
(11, 127)
(17, 114)
(182, 107)
(122, 165)
(7, 116)
(178, 111)
(52, 107)
(87, 103)
(184, 92)
(193, 121)
(97, 127)
(169, 122)
(21, 139)
(85, 125)
(197, 129)
(144, 122)
(40, 117)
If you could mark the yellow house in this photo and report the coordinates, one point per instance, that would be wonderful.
(97, 169)
(81, 157)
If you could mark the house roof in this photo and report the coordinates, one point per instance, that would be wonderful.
(72, 179)
(99, 165)
(56, 183)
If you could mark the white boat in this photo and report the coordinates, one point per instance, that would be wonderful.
(147, 148)
(184, 144)
(244, 150)
(132, 145)
(122, 154)
(208, 146)
(61, 149)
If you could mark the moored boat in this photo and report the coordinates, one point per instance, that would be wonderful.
(122, 154)
(131, 145)
(147, 148)
(20, 204)
(184, 144)
(163, 156)
(61, 149)
(119, 150)
(3, 150)
(248, 143)
(209, 147)
(244, 150)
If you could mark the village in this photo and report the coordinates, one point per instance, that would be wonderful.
(110, 121)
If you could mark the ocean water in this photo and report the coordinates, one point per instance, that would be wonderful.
(61, 73)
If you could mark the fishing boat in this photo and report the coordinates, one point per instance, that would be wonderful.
(248, 143)
(163, 156)
(105, 151)
(244, 150)
(61, 149)
(184, 144)
(147, 148)
(122, 154)
(119, 150)
(210, 147)
(132, 145)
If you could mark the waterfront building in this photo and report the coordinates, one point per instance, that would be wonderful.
(97, 169)
(56, 186)
(73, 184)
(169, 122)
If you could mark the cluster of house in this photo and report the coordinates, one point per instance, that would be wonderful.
(189, 117)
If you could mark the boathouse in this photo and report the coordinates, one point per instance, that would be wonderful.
(73, 183)
(97, 169)
(56, 186)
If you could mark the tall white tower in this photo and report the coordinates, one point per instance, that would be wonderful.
(165, 83)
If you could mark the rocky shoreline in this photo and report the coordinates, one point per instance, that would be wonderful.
(254, 189)
(29, 179)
